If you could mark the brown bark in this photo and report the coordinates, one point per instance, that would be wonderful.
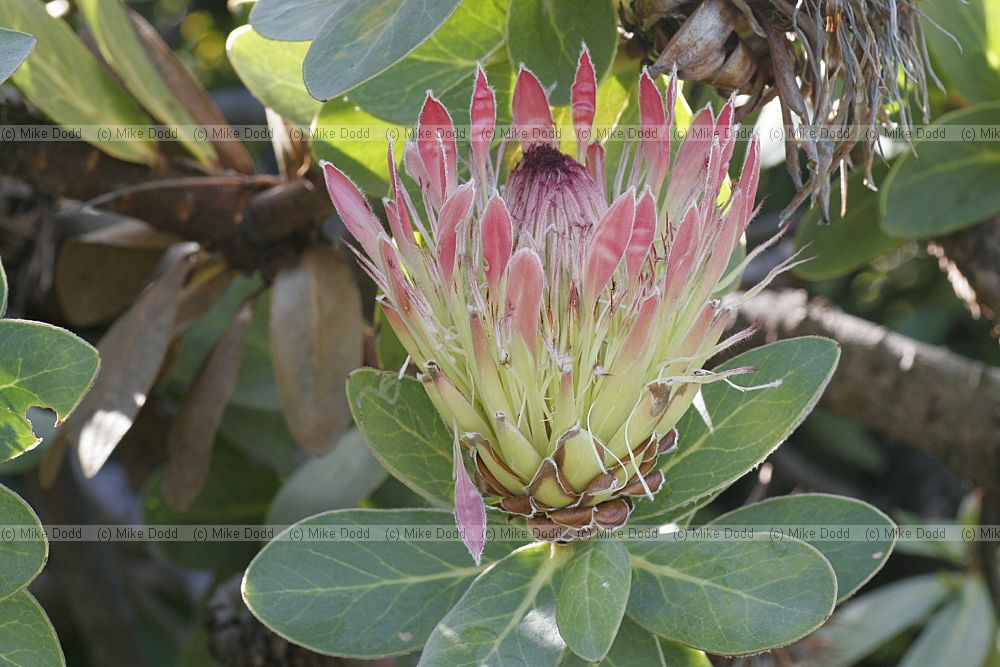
(237, 639)
(919, 394)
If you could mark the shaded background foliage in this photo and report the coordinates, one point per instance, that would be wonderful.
(242, 419)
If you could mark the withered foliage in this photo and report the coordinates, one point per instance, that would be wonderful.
(836, 65)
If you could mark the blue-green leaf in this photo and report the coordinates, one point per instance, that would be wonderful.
(507, 617)
(23, 548)
(14, 48)
(404, 431)
(40, 366)
(291, 20)
(943, 186)
(731, 597)
(747, 425)
(965, 40)
(445, 63)
(849, 241)
(356, 597)
(27, 638)
(361, 39)
(339, 479)
(961, 634)
(872, 619)
(854, 561)
(637, 647)
(593, 591)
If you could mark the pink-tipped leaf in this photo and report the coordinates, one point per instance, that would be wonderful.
(451, 229)
(353, 209)
(482, 114)
(497, 242)
(438, 152)
(596, 168)
(399, 223)
(643, 232)
(607, 247)
(656, 132)
(470, 511)
(532, 115)
(584, 102)
(525, 284)
(690, 163)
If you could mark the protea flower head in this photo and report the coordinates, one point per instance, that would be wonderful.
(560, 328)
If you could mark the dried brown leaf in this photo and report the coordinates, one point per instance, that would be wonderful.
(316, 340)
(98, 275)
(191, 437)
(189, 91)
(132, 352)
(291, 149)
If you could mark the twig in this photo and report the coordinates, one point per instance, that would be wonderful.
(918, 394)
(175, 183)
(257, 222)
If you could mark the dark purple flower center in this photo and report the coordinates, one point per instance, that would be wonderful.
(549, 194)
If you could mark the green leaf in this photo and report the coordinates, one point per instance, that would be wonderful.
(14, 48)
(363, 598)
(593, 591)
(291, 20)
(960, 635)
(507, 617)
(256, 387)
(929, 545)
(389, 350)
(404, 431)
(66, 82)
(848, 242)
(853, 561)
(27, 638)
(40, 365)
(445, 63)
(730, 597)
(361, 39)
(347, 137)
(236, 492)
(637, 647)
(748, 425)
(124, 52)
(22, 556)
(262, 435)
(945, 185)
(337, 480)
(969, 57)
(272, 71)
(44, 427)
(673, 654)
(872, 619)
(838, 441)
(547, 36)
